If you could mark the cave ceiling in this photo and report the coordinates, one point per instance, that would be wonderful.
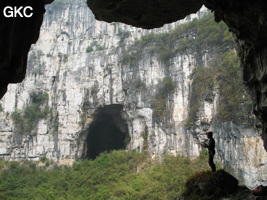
(246, 19)
(143, 13)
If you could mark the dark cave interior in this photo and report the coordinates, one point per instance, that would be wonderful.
(107, 132)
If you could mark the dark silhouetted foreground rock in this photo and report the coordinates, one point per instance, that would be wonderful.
(209, 185)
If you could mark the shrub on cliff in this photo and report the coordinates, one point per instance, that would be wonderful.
(159, 104)
(25, 121)
(223, 76)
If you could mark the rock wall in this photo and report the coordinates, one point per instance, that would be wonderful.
(242, 153)
(82, 66)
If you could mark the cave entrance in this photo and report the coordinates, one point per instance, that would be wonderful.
(109, 131)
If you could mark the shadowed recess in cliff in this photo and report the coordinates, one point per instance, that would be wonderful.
(107, 132)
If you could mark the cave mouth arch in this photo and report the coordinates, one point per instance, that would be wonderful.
(107, 132)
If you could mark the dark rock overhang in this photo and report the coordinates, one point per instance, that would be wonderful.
(143, 13)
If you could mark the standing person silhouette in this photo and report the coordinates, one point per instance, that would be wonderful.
(211, 147)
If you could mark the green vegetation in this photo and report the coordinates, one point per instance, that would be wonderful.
(224, 73)
(159, 105)
(85, 107)
(97, 48)
(145, 138)
(138, 84)
(25, 121)
(89, 49)
(35, 66)
(100, 48)
(203, 82)
(123, 36)
(130, 58)
(198, 35)
(116, 176)
(65, 58)
(235, 104)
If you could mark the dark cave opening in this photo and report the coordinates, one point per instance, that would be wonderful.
(107, 132)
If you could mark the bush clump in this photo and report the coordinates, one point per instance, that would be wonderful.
(89, 49)
(159, 104)
(222, 74)
(199, 34)
(25, 121)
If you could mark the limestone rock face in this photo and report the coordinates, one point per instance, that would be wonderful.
(83, 86)
(241, 152)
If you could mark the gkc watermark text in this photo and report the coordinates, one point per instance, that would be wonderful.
(20, 11)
